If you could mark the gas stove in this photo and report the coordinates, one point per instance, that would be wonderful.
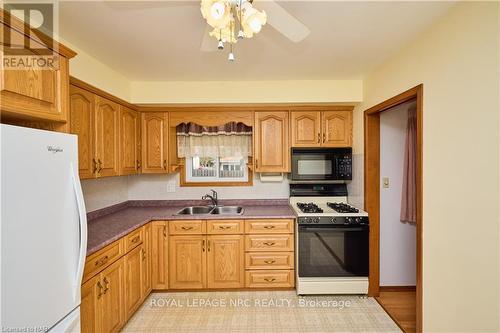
(325, 204)
(332, 240)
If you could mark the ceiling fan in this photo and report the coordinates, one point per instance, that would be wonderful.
(278, 17)
(275, 15)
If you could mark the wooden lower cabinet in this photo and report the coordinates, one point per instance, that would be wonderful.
(194, 254)
(102, 307)
(146, 258)
(226, 261)
(134, 268)
(159, 255)
(187, 262)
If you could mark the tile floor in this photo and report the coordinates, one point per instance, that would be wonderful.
(258, 311)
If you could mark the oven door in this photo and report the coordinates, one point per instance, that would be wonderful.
(313, 165)
(333, 251)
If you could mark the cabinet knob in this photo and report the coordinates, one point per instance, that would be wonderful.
(269, 243)
(270, 279)
(319, 138)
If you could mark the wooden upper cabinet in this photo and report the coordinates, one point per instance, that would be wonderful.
(322, 128)
(36, 94)
(271, 140)
(155, 142)
(130, 129)
(306, 128)
(82, 113)
(337, 129)
(187, 262)
(107, 136)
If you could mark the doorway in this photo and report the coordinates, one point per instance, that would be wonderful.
(372, 186)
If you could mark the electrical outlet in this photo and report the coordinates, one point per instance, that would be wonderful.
(170, 187)
(385, 182)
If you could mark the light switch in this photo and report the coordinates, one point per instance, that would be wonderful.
(385, 182)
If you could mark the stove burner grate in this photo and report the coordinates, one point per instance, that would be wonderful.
(309, 207)
(342, 207)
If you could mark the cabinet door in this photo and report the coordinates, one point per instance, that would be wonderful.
(146, 262)
(154, 142)
(82, 123)
(112, 301)
(129, 142)
(159, 254)
(337, 129)
(272, 147)
(226, 261)
(90, 316)
(133, 280)
(306, 128)
(107, 137)
(187, 262)
(34, 93)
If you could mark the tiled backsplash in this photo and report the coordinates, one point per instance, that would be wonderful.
(356, 187)
(100, 193)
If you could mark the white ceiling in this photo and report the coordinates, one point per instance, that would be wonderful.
(160, 40)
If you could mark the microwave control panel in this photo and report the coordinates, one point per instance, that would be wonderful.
(344, 167)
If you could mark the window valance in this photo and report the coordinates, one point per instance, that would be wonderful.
(228, 140)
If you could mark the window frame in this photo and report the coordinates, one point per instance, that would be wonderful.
(186, 183)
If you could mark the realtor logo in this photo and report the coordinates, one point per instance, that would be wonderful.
(28, 44)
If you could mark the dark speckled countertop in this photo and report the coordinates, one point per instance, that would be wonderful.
(109, 224)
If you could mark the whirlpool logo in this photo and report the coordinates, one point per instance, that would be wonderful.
(54, 150)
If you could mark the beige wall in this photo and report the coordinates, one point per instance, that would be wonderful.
(247, 91)
(94, 72)
(457, 61)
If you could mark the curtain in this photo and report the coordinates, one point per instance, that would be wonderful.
(409, 195)
(228, 140)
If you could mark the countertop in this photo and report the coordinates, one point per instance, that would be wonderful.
(109, 224)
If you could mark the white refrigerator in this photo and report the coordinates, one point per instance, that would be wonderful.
(43, 230)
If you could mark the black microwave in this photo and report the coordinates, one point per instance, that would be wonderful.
(321, 163)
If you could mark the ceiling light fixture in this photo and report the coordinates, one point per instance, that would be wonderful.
(226, 15)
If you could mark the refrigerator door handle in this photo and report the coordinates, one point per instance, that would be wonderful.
(83, 229)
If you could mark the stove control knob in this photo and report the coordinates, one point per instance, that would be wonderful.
(316, 220)
(358, 220)
(349, 220)
(334, 220)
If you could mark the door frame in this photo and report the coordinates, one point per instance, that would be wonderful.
(372, 189)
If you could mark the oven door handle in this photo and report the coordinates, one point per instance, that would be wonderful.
(335, 229)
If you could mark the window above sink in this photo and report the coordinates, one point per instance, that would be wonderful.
(216, 169)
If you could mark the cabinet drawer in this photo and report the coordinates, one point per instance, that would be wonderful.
(270, 279)
(269, 260)
(277, 226)
(188, 227)
(225, 227)
(102, 259)
(133, 239)
(268, 243)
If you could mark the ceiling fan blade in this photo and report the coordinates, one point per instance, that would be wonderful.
(208, 43)
(283, 21)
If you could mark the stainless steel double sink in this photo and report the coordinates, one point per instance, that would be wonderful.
(210, 210)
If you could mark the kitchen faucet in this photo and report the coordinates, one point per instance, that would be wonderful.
(213, 197)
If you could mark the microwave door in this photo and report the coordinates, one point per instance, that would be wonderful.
(313, 167)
